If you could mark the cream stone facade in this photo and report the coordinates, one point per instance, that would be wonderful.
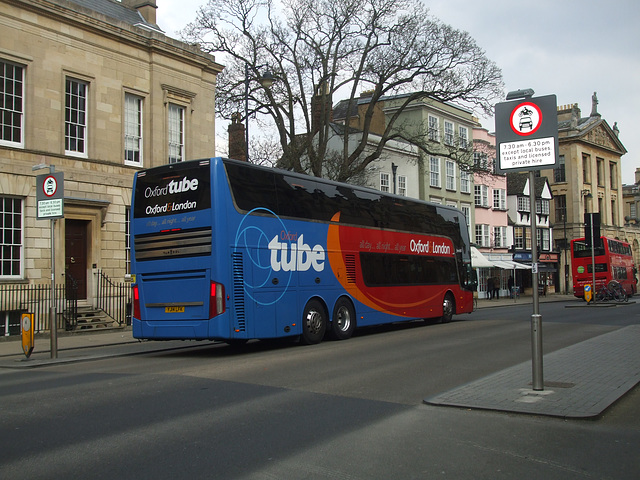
(95, 89)
(587, 179)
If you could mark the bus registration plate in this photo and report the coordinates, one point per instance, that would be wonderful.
(174, 309)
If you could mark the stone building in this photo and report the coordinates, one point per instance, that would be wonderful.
(587, 179)
(449, 131)
(96, 90)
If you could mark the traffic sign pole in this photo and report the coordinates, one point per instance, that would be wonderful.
(536, 318)
(50, 205)
(527, 140)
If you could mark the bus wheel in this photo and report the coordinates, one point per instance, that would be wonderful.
(314, 323)
(448, 307)
(344, 320)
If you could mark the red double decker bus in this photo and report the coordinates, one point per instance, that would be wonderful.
(613, 261)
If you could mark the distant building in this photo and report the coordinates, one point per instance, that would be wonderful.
(493, 238)
(447, 127)
(520, 212)
(631, 195)
(587, 179)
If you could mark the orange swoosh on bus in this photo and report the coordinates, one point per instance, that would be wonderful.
(338, 266)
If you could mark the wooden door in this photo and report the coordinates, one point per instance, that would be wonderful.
(75, 254)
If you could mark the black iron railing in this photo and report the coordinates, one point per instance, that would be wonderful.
(114, 299)
(16, 299)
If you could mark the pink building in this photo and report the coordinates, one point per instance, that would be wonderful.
(491, 236)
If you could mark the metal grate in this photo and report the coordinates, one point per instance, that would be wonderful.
(238, 291)
(173, 244)
(350, 262)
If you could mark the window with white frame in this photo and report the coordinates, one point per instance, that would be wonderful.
(499, 237)
(524, 204)
(11, 104)
(448, 133)
(133, 129)
(402, 185)
(437, 200)
(466, 210)
(481, 195)
(542, 206)
(450, 171)
(465, 182)
(11, 237)
(463, 137)
(176, 133)
(76, 117)
(480, 160)
(546, 239)
(543, 238)
(434, 171)
(434, 128)
(482, 235)
(384, 182)
(499, 199)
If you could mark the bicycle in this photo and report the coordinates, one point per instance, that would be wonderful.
(613, 291)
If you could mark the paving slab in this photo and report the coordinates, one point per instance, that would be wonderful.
(580, 381)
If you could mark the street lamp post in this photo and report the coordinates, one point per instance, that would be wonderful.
(266, 80)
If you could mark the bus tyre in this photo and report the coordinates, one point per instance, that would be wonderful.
(448, 307)
(344, 320)
(314, 323)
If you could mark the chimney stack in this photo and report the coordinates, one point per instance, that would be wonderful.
(147, 8)
(237, 145)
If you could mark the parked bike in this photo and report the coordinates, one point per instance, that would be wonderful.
(613, 291)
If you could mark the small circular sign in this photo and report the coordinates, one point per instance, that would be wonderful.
(526, 118)
(580, 269)
(50, 186)
(26, 323)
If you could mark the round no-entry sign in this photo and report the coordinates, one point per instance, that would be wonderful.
(526, 118)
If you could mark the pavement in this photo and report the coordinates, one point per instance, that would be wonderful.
(580, 381)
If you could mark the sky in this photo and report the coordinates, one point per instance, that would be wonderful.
(567, 48)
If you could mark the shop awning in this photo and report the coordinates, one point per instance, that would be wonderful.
(478, 260)
(511, 265)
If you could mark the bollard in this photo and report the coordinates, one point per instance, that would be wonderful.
(536, 351)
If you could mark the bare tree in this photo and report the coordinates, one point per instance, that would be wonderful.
(320, 50)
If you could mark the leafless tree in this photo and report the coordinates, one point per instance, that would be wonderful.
(319, 51)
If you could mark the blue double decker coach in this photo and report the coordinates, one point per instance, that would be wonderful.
(228, 250)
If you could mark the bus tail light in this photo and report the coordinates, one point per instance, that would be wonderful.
(216, 302)
(136, 302)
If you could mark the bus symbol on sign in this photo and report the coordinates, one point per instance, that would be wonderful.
(526, 118)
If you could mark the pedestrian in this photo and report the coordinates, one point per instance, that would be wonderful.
(510, 286)
(496, 288)
(489, 288)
